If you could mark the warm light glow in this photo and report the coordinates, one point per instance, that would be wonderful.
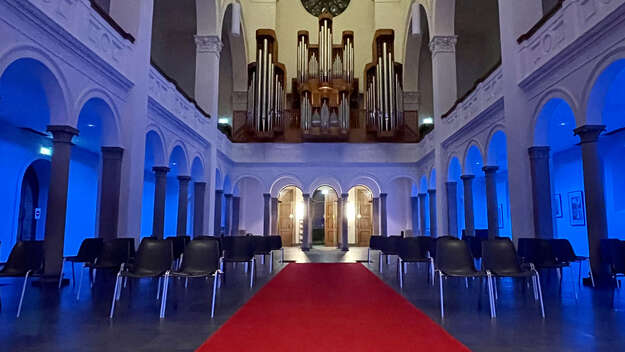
(45, 151)
(428, 121)
(324, 191)
(299, 210)
(223, 120)
(350, 211)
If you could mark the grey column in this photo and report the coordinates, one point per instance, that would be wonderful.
(414, 213)
(218, 200)
(307, 223)
(54, 239)
(469, 218)
(228, 224)
(274, 216)
(160, 192)
(109, 196)
(344, 224)
(595, 197)
(383, 219)
(492, 205)
(452, 207)
(541, 191)
(432, 194)
(199, 192)
(376, 215)
(183, 205)
(422, 218)
(236, 205)
(266, 214)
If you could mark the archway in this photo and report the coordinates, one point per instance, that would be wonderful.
(251, 212)
(291, 216)
(154, 156)
(177, 185)
(418, 75)
(454, 184)
(399, 206)
(33, 198)
(324, 207)
(473, 175)
(498, 156)
(359, 214)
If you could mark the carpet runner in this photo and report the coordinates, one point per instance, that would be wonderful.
(329, 307)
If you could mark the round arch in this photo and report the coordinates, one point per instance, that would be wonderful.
(284, 181)
(474, 152)
(599, 83)
(178, 159)
(325, 181)
(368, 181)
(111, 135)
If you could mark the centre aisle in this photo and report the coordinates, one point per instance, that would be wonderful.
(329, 307)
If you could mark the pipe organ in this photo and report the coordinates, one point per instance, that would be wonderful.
(383, 96)
(266, 100)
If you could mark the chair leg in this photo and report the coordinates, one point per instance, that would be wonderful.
(388, 259)
(262, 259)
(61, 275)
(466, 282)
(115, 294)
(186, 282)
(573, 281)
(540, 294)
(82, 272)
(252, 273)
(214, 292)
(19, 307)
(125, 281)
(440, 281)
(491, 299)
(534, 288)
(368, 255)
(93, 275)
(271, 262)
(495, 288)
(400, 267)
(592, 278)
(380, 263)
(73, 275)
(281, 255)
(221, 269)
(432, 271)
(158, 288)
(164, 298)
(246, 267)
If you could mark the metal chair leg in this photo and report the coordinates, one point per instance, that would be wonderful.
(221, 269)
(93, 275)
(73, 275)
(19, 307)
(164, 298)
(252, 273)
(466, 282)
(592, 278)
(573, 281)
(282, 255)
(115, 294)
(368, 255)
(401, 272)
(491, 299)
(380, 263)
(440, 280)
(82, 272)
(158, 288)
(540, 294)
(61, 275)
(271, 262)
(214, 292)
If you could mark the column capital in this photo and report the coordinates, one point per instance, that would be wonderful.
(431, 191)
(489, 170)
(422, 195)
(589, 133)
(266, 196)
(112, 153)
(160, 170)
(183, 178)
(383, 195)
(467, 177)
(219, 191)
(200, 183)
(451, 183)
(443, 44)
(62, 133)
(208, 44)
(228, 195)
(538, 152)
(306, 196)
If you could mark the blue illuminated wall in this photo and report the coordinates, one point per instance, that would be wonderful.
(147, 208)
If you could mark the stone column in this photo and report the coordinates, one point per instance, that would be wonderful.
(376, 215)
(595, 196)
(218, 200)
(54, 239)
(383, 219)
(236, 205)
(199, 193)
(183, 205)
(432, 194)
(492, 205)
(452, 208)
(422, 216)
(110, 192)
(469, 218)
(307, 223)
(274, 216)
(266, 214)
(344, 224)
(541, 191)
(160, 192)
(414, 215)
(228, 224)
(208, 50)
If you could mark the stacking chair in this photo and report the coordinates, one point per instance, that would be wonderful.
(25, 260)
(178, 243)
(564, 253)
(200, 260)
(114, 255)
(375, 244)
(413, 250)
(475, 245)
(453, 259)
(389, 246)
(276, 244)
(263, 248)
(153, 260)
(239, 249)
(613, 252)
(89, 250)
(540, 253)
(500, 260)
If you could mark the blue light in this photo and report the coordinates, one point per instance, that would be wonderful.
(45, 151)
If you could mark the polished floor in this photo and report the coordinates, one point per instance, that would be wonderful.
(53, 320)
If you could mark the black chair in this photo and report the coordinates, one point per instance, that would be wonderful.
(389, 245)
(178, 243)
(413, 250)
(114, 255)
(276, 244)
(89, 250)
(375, 244)
(500, 260)
(200, 260)
(539, 252)
(25, 260)
(564, 252)
(453, 259)
(239, 249)
(153, 260)
(475, 245)
(263, 248)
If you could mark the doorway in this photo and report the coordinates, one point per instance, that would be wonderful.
(33, 197)
(291, 216)
(359, 213)
(324, 204)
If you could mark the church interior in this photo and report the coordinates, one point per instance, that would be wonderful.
(312, 175)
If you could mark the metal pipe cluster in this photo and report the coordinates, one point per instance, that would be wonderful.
(269, 94)
(383, 96)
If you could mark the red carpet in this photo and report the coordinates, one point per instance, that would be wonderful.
(329, 307)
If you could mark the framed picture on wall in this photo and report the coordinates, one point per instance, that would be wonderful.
(576, 208)
(557, 205)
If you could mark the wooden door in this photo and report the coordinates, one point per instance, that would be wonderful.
(330, 223)
(286, 219)
(364, 222)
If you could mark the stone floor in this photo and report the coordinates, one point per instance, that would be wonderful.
(52, 320)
